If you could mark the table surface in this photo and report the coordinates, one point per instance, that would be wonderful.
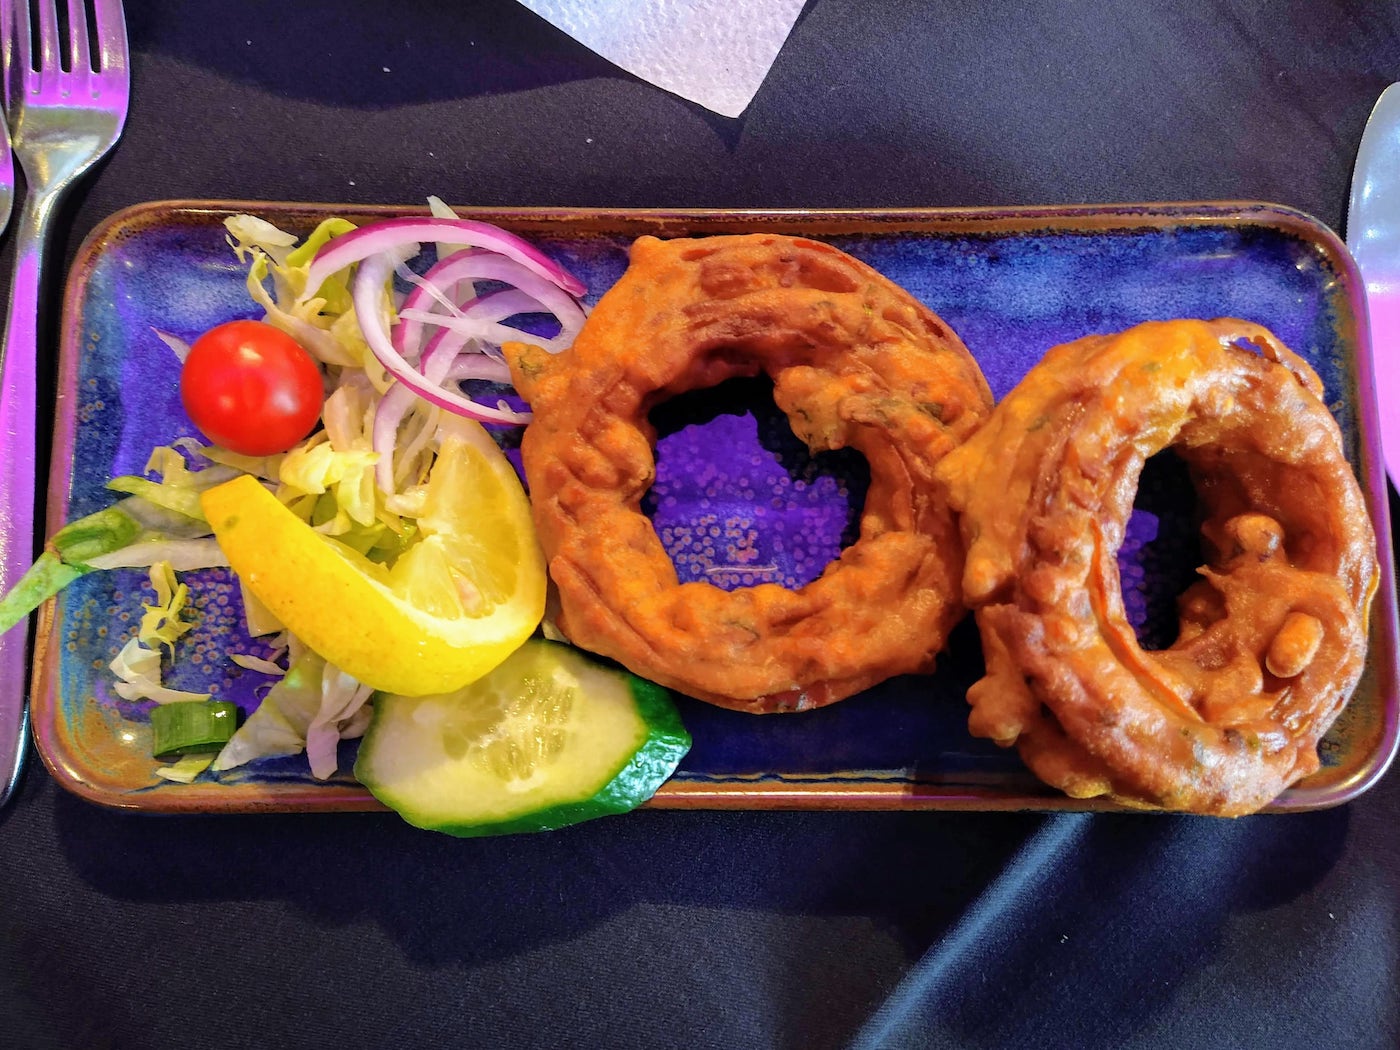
(665, 929)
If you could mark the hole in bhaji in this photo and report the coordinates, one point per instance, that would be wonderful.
(1161, 550)
(739, 500)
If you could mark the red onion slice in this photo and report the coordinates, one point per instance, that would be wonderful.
(425, 295)
(442, 362)
(483, 331)
(388, 416)
(493, 306)
(439, 292)
(397, 234)
(477, 265)
(368, 295)
(445, 347)
(476, 366)
(497, 306)
(488, 332)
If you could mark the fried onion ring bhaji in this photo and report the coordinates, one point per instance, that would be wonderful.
(1272, 637)
(855, 362)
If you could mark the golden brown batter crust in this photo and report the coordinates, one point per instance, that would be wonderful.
(856, 362)
(1273, 637)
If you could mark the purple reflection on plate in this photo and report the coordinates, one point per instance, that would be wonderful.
(738, 500)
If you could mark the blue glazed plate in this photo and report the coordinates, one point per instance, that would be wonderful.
(736, 499)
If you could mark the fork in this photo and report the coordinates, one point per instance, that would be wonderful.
(7, 177)
(61, 120)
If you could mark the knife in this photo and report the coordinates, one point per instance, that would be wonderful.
(1373, 235)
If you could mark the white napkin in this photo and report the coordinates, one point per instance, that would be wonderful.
(714, 52)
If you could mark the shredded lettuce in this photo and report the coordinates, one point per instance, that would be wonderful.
(180, 555)
(184, 770)
(249, 231)
(157, 522)
(312, 708)
(346, 331)
(132, 533)
(264, 467)
(442, 210)
(312, 323)
(257, 663)
(417, 445)
(179, 488)
(182, 500)
(138, 669)
(342, 700)
(178, 346)
(138, 665)
(315, 468)
(278, 726)
(335, 290)
(67, 556)
(167, 461)
(163, 622)
(338, 461)
(259, 618)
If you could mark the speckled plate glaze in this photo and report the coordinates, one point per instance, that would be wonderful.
(736, 497)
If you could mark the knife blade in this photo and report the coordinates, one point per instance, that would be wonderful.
(1373, 236)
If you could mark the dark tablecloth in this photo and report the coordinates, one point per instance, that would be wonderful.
(666, 929)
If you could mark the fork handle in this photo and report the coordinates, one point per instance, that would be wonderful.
(19, 472)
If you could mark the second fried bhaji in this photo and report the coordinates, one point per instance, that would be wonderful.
(1272, 638)
(855, 362)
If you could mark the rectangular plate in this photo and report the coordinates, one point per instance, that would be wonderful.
(1011, 282)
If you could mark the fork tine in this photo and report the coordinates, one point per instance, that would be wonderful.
(7, 44)
(110, 21)
(19, 60)
(79, 57)
(48, 63)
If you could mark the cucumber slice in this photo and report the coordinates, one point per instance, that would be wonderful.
(551, 737)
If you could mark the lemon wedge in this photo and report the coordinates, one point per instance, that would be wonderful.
(464, 596)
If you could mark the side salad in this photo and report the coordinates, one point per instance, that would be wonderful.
(381, 539)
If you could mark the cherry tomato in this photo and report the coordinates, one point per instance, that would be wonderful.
(251, 388)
